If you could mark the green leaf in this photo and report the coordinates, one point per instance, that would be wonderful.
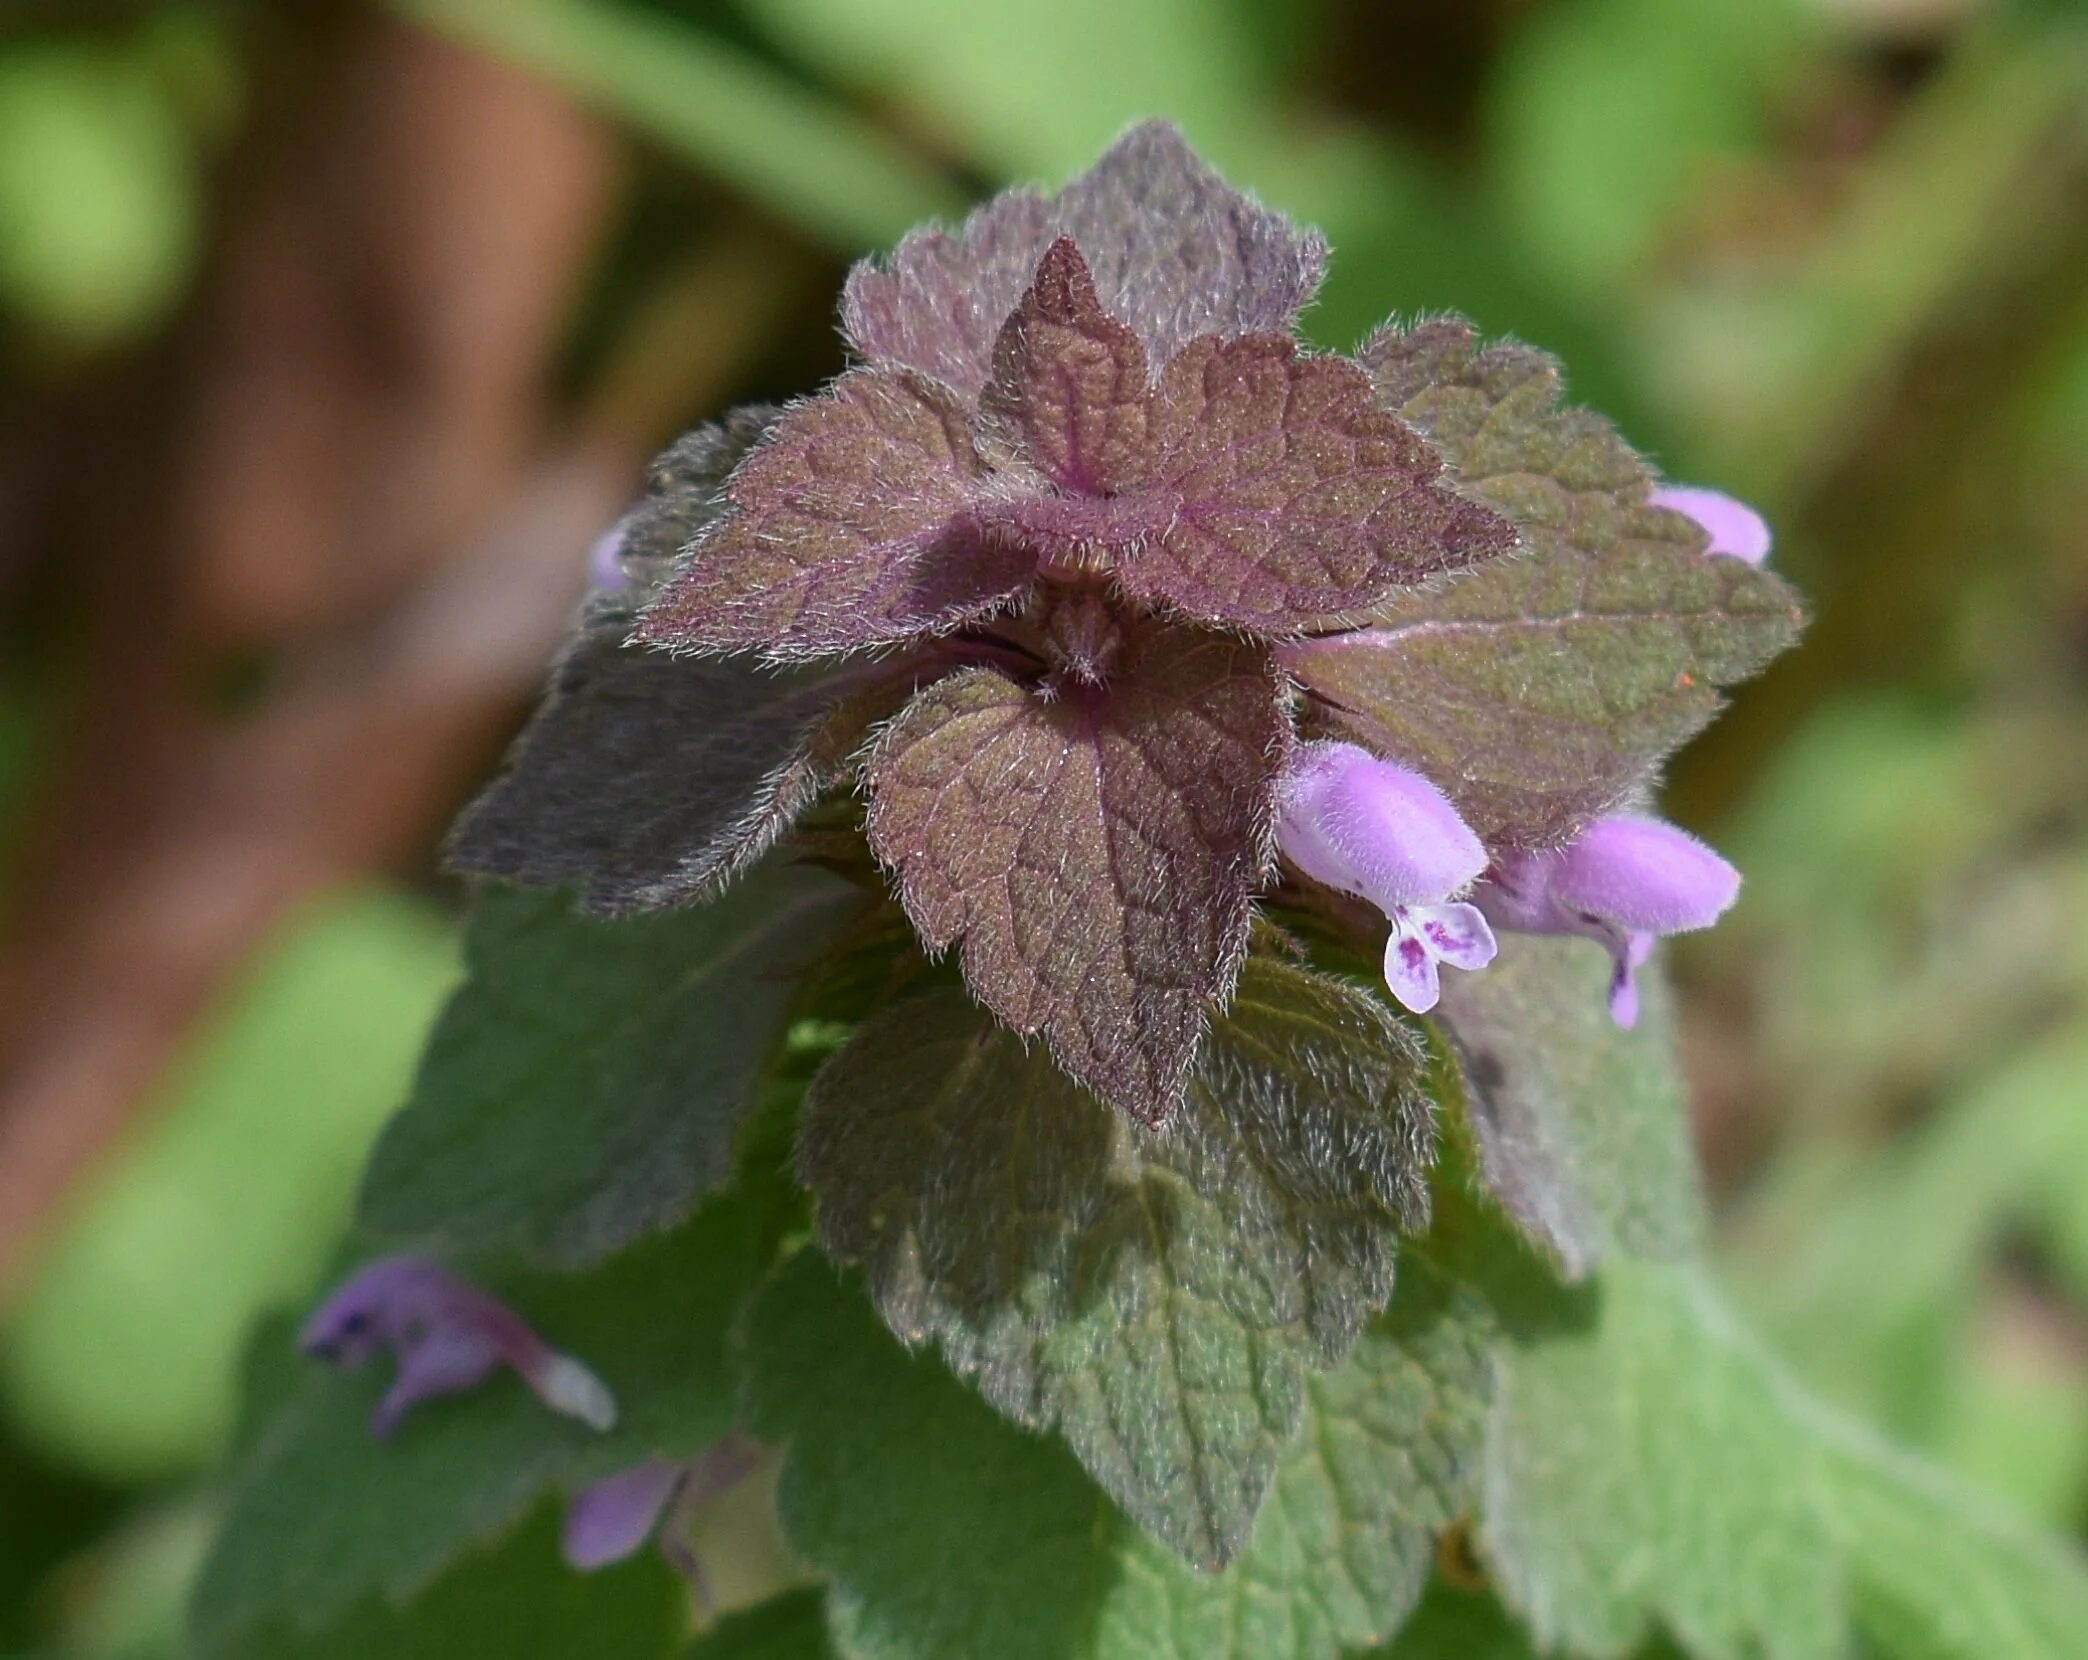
(323, 1516)
(517, 1601)
(717, 106)
(1658, 1468)
(1580, 1129)
(790, 1627)
(953, 1535)
(584, 1086)
(1646, 1469)
(1156, 1298)
(1937, 1572)
(1539, 692)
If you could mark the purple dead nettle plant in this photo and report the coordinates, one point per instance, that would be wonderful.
(1095, 614)
(1061, 575)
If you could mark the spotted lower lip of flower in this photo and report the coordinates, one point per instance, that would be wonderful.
(447, 1337)
(1626, 881)
(1735, 529)
(1384, 833)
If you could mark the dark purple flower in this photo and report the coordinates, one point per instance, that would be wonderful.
(1625, 881)
(1735, 529)
(1386, 834)
(448, 1337)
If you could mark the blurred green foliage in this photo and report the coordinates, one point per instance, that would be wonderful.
(1828, 253)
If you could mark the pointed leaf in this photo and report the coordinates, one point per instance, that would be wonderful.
(846, 530)
(1175, 250)
(1156, 1299)
(1069, 382)
(1095, 852)
(585, 1083)
(1580, 1128)
(684, 496)
(1659, 1468)
(953, 1535)
(1292, 501)
(1539, 692)
(648, 780)
(322, 1516)
(1645, 1470)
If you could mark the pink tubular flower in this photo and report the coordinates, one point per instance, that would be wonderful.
(1735, 528)
(448, 1337)
(1386, 834)
(1627, 880)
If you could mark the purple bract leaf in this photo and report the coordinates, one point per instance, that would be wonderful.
(1540, 692)
(1175, 250)
(843, 532)
(1292, 501)
(1069, 383)
(1096, 851)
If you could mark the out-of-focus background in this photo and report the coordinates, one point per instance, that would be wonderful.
(331, 334)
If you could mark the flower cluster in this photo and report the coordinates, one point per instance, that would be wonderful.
(1103, 591)
(1381, 831)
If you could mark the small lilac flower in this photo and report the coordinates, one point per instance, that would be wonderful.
(1627, 880)
(1386, 834)
(448, 1337)
(1734, 528)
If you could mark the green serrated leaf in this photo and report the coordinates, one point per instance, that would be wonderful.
(1659, 1469)
(790, 1627)
(1937, 1572)
(517, 1601)
(1540, 691)
(584, 1086)
(322, 1515)
(1579, 1129)
(1646, 1470)
(1156, 1298)
(953, 1535)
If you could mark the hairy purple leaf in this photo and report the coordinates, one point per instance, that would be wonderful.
(1540, 691)
(684, 496)
(1095, 851)
(1069, 382)
(1176, 252)
(646, 780)
(1293, 501)
(845, 531)
(1158, 1300)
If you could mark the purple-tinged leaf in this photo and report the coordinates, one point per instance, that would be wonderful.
(1069, 383)
(1096, 851)
(685, 494)
(1175, 250)
(1292, 501)
(646, 779)
(649, 780)
(847, 530)
(1540, 692)
(936, 304)
(1159, 1301)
